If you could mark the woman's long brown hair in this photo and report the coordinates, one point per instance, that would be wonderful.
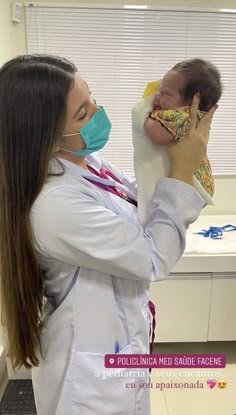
(33, 93)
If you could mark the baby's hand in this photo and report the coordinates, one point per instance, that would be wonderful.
(156, 132)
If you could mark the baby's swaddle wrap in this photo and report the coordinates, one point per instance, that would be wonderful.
(150, 160)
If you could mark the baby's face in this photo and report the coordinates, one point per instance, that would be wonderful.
(168, 96)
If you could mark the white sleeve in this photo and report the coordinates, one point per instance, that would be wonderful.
(77, 229)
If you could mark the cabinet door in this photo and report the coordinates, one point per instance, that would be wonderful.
(182, 307)
(222, 324)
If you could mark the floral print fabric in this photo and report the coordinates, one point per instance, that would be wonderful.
(177, 122)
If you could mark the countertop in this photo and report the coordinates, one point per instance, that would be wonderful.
(206, 255)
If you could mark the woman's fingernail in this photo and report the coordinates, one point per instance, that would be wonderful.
(197, 94)
(216, 106)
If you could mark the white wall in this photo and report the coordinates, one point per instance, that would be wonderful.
(179, 3)
(2, 361)
(12, 35)
(12, 42)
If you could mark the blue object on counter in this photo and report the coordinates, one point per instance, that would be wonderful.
(117, 346)
(216, 232)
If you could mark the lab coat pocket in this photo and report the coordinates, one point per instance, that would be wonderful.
(100, 390)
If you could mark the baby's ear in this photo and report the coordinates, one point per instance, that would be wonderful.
(151, 88)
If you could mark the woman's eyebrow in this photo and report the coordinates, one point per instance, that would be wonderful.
(89, 90)
(86, 84)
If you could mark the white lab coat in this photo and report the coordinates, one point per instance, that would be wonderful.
(151, 161)
(98, 262)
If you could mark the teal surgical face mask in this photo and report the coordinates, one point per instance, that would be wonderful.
(95, 133)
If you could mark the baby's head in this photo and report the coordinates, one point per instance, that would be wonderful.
(179, 85)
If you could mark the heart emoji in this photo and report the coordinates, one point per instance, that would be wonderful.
(211, 383)
(111, 361)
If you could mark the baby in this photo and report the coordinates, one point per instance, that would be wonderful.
(163, 116)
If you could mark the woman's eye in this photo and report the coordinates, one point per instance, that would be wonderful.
(83, 115)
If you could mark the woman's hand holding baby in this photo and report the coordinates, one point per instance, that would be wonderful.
(185, 155)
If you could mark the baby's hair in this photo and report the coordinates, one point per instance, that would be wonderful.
(201, 76)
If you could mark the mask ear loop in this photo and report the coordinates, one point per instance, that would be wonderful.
(63, 149)
(70, 135)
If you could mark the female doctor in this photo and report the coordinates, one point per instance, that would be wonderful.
(75, 263)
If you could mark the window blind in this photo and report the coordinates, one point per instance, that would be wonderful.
(118, 50)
